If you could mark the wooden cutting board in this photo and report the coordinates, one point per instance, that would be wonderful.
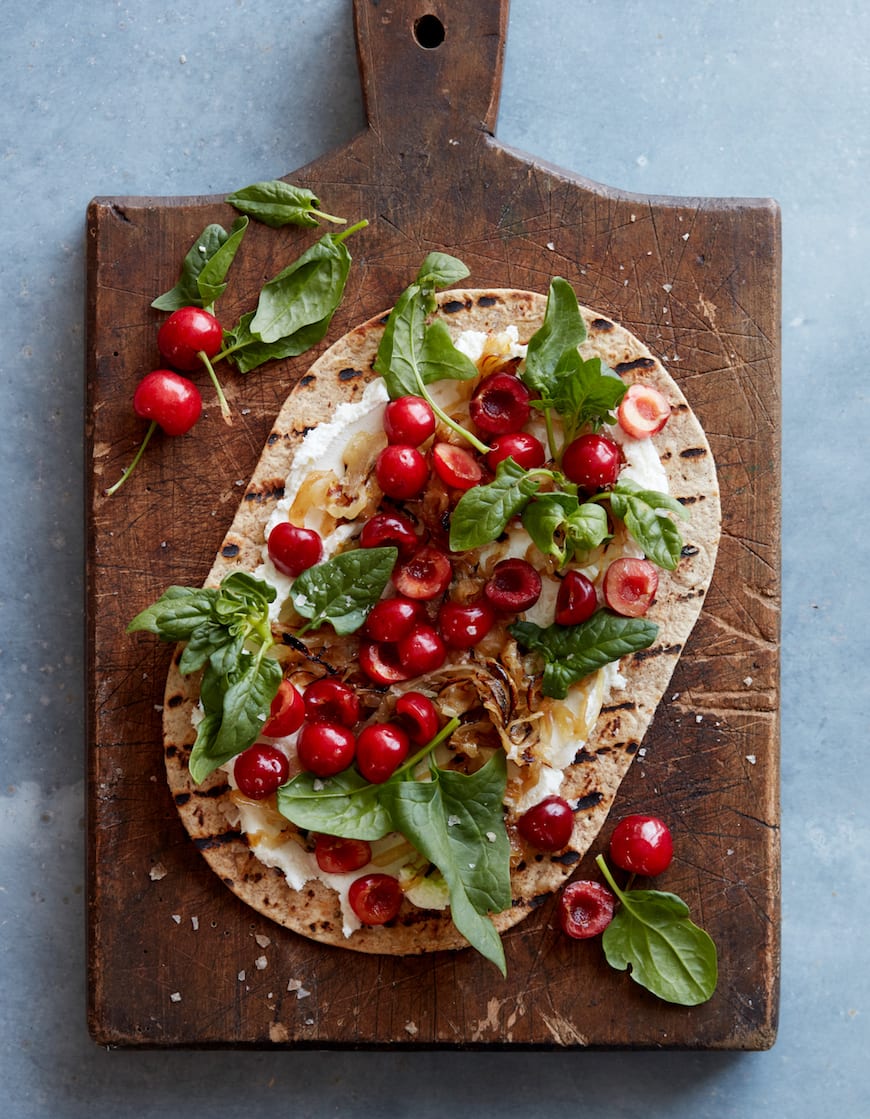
(174, 957)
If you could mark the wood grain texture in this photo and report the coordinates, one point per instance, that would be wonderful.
(174, 958)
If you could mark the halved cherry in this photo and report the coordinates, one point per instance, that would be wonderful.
(336, 855)
(375, 898)
(329, 700)
(379, 660)
(325, 749)
(425, 575)
(421, 651)
(514, 586)
(293, 549)
(455, 466)
(585, 909)
(592, 461)
(464, 624)
(401, 471)
(391, 619)
(643, 411)
(419, 716)
(548, 824)
(286, 712)
(630, 586)
(259, 770)
(389, 530)
(409, 420)
(521, 446)
(576, 600)
(380, 750)
(501, 403)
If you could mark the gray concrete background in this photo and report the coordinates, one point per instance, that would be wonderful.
(748, 98)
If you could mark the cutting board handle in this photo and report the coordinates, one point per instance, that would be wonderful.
(430, 69)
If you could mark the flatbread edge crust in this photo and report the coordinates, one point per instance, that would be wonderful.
(591, 783)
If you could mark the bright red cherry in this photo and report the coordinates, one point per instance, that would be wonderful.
(325, 749)
(380, 750)
(329, 700)
(391, 619)
(526, 451)
(390, 530)
(642, 845)
(455, 466)
(336, 855)
(643, 411)
(286, 713)
(375, 898)
(630, 586)
(409, 420)
(576, 600)
(187, 333)
(501, 403)
(401, 471)
(260, 770)
(419, 716)
(379, 660)
(170, 402)
(585, 909)
(293, 549)
(592, 461)
(548, 824)
(425, 575)
(421, 651)
(464, 624)
(514, 586)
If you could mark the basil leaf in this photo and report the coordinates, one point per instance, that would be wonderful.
(563, 329)
(204, 269)
(456, 821)
(345, 805)
(643, 512)
(667, 953)
(482, 513)
(246, 701)
(176, 614)
(559, 525)
(277, 203)
(571, 653)
(342, 590)
(308, 291)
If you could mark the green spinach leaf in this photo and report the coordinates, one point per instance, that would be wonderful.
(645, 515)
(482, 513)
(342, 590)
(652, 934)
(560, 525)
(345, 805)
(277, 203)
(203, 273)
(571, 653)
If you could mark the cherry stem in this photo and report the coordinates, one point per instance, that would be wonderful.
(222, 400)
(136, 457)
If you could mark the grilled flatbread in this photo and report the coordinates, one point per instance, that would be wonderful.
(210, 811)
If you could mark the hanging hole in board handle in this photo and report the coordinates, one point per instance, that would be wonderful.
(429, 32)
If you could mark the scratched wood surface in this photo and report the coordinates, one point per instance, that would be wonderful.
(175, 959)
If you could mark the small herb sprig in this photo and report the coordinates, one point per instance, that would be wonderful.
(652, 935)
(455, 820)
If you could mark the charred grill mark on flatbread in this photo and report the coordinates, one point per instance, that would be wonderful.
(486, 301)
(657, 651)
(273, 491)
(590, 800)
(349, 374)
(230, 551)
(455, 305)
(603, 326)
(689, 550)
(222, 839)
(693, 452)
(638, 363)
